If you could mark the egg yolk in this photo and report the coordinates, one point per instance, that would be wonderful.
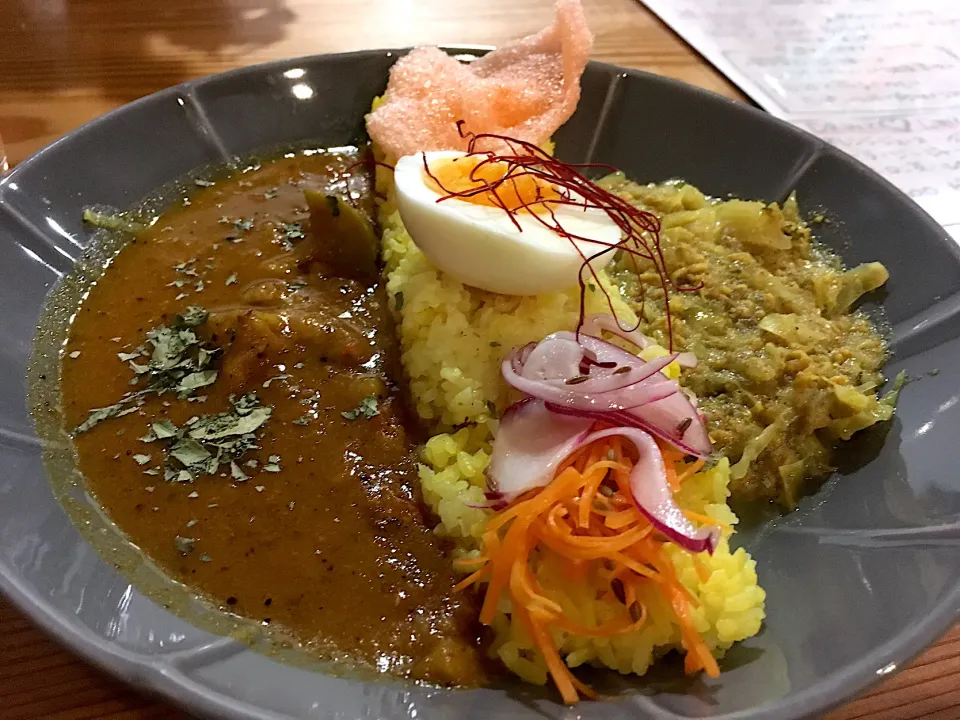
(461, 175)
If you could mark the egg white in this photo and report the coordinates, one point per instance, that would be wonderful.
(480, 245)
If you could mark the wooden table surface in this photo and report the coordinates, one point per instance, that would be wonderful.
(63, 62)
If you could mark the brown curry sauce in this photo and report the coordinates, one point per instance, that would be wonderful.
(335, 548)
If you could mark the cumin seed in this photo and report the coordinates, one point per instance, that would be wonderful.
(618, 590)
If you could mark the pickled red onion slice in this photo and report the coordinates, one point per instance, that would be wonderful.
(593, 324)
(532, 442)
(614, 386)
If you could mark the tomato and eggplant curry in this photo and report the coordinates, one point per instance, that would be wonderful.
(230, 379)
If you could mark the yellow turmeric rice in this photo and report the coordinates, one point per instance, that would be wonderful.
(453, 340)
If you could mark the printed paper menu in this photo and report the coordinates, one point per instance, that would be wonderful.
(879, 79)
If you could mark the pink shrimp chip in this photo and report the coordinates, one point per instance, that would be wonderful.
(526, 90)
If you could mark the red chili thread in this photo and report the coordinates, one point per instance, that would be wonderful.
(640, 229)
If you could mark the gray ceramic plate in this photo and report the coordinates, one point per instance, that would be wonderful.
(859, 579)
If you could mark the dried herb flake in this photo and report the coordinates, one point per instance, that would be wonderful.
(366, 409)
(184, 544)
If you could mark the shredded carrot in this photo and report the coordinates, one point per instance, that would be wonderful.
(673, 480)
(637, 567)
(707, 520)
(473, 578)
(670, 454)
(466, 563)
(587, 496)
(603, 534)
(698, 656)
(702, 572)
(691, 469)
(620, 519)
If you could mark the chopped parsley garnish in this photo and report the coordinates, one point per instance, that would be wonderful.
(190, 453)
(236, 473)
(184, 544)
(186, 275)
(163, 429)
(241, 225)
(366, 409)
(178, 362)
(187, 268)
(291, 232)
(98, 415)
(205, 443)
(193, 317)
(231, 280)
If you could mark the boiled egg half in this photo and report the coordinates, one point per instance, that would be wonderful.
(505, 243)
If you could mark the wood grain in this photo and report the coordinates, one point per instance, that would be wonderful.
(64, 62)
